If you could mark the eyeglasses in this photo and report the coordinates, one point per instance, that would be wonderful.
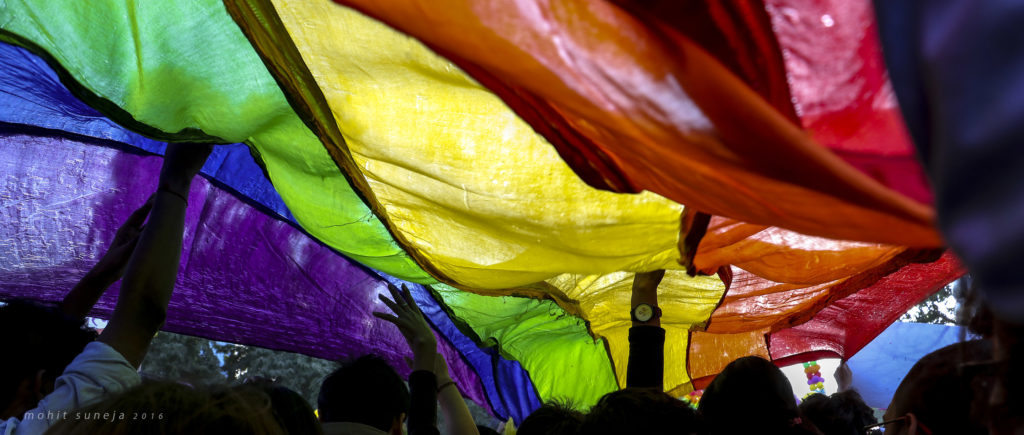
(911, 420)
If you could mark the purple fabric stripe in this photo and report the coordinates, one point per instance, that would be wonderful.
(32, 94)
(245, 277)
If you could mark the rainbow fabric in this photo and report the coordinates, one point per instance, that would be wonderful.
(514, 165)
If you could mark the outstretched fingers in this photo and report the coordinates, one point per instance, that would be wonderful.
(409, 301)
(390, 303)
(398, 311)
(388, 318)
(402, 313)
(411, 323)
(401, 297)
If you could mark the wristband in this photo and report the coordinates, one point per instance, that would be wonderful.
(164, 189)
(644, 313)
(445, 385)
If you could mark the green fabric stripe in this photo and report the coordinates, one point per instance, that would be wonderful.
(184, 71)
(555, 347)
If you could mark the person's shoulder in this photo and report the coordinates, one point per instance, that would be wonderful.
(7, 426)
(101, 349)
(101, 365)
(94, 374)
(99, 355)
(24, 425)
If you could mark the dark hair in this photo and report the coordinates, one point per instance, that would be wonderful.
(366, 391)
(751, 395)
(45, 339)
(292, 412)
(1006, 403)
(641, 411)
(553, 418)
(171, 408)
(843, 413)
(940, 389)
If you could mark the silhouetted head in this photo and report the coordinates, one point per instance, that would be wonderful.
(553, 418)
(292, 412)
(751, 395)
(43, 341)
(366, 391)
(172, 408)
(843, 413)
(640, 411)
(940, 390)
(1003, 405)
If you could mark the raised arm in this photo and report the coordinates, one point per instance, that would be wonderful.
(844, 377)
(645, 291)
(422, 381)
(453, 406)
(80, 300)
(150, 274)
(646, 366)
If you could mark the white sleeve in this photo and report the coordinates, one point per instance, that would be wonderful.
(95, 374)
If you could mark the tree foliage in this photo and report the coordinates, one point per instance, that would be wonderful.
(296, 371)
(198, 361)
(183, 358)
(939, 308)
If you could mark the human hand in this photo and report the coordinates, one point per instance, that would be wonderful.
(645, 287)
(844, 376)
(649, 279)
(111, 266)
(412, 325)
(181, 163)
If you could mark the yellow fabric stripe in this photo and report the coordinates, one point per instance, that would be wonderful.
(684, 301)
(471, 187)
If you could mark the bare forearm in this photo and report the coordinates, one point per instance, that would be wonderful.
(109, 268)
(80, 300)
(456, 413)
(153, 267)
(148, 280)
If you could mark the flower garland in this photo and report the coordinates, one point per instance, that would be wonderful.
(815, 382)
(693, 398)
